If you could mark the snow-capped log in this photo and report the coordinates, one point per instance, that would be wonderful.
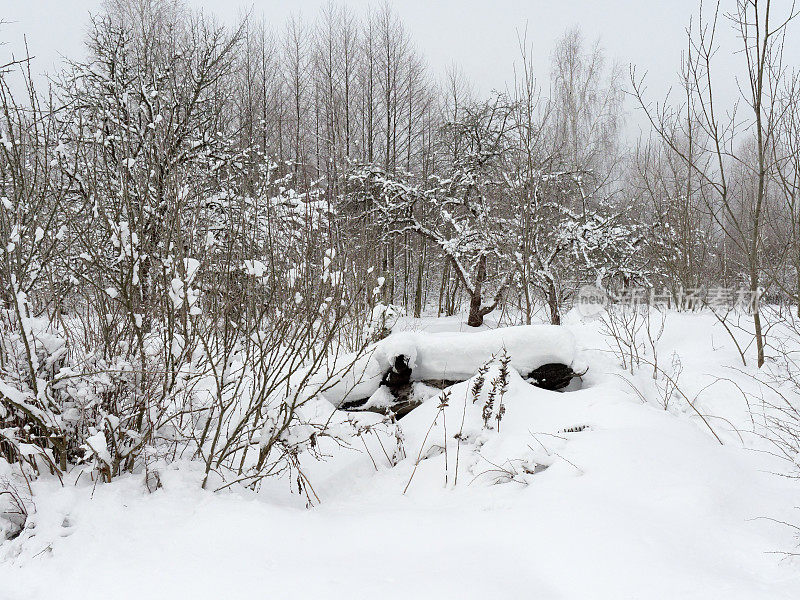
(447, 357)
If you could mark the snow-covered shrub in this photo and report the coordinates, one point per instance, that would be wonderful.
(32, 430)
(189, 319)
(256, 407)
(384, 318)
(15, 504)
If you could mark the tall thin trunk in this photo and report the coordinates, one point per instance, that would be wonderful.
(420, 273)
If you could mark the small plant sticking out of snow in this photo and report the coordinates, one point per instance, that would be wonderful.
(488, 407)
(388, 428)
(502, 382)
(444, 402)
(477, 384)
(499, 385)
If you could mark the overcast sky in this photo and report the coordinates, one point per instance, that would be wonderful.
(478, 35)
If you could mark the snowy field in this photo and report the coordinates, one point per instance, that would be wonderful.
(216, 218)
(600, 492)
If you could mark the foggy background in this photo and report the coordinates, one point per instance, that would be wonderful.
(482, 38)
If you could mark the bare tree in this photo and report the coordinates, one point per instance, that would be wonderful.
(729, 143)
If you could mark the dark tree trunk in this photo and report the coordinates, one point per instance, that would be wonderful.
(552, 303)
(476, 311)
(451, 301)
(443, 289)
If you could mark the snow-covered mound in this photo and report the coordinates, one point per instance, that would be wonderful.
(603, 493)
(451, 356)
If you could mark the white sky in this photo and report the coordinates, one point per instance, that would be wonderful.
(478, 35)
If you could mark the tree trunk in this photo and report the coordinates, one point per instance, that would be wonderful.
(528, 304)
(443, 289)
(552, 303)
(392, 270)
(757, 317)
(451, 301)
(797, 282)
(475, 318)
(420, 281)
(476, 311)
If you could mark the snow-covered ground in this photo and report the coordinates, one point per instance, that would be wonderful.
(594, 493)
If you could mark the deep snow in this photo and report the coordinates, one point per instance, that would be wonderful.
(634, 502)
